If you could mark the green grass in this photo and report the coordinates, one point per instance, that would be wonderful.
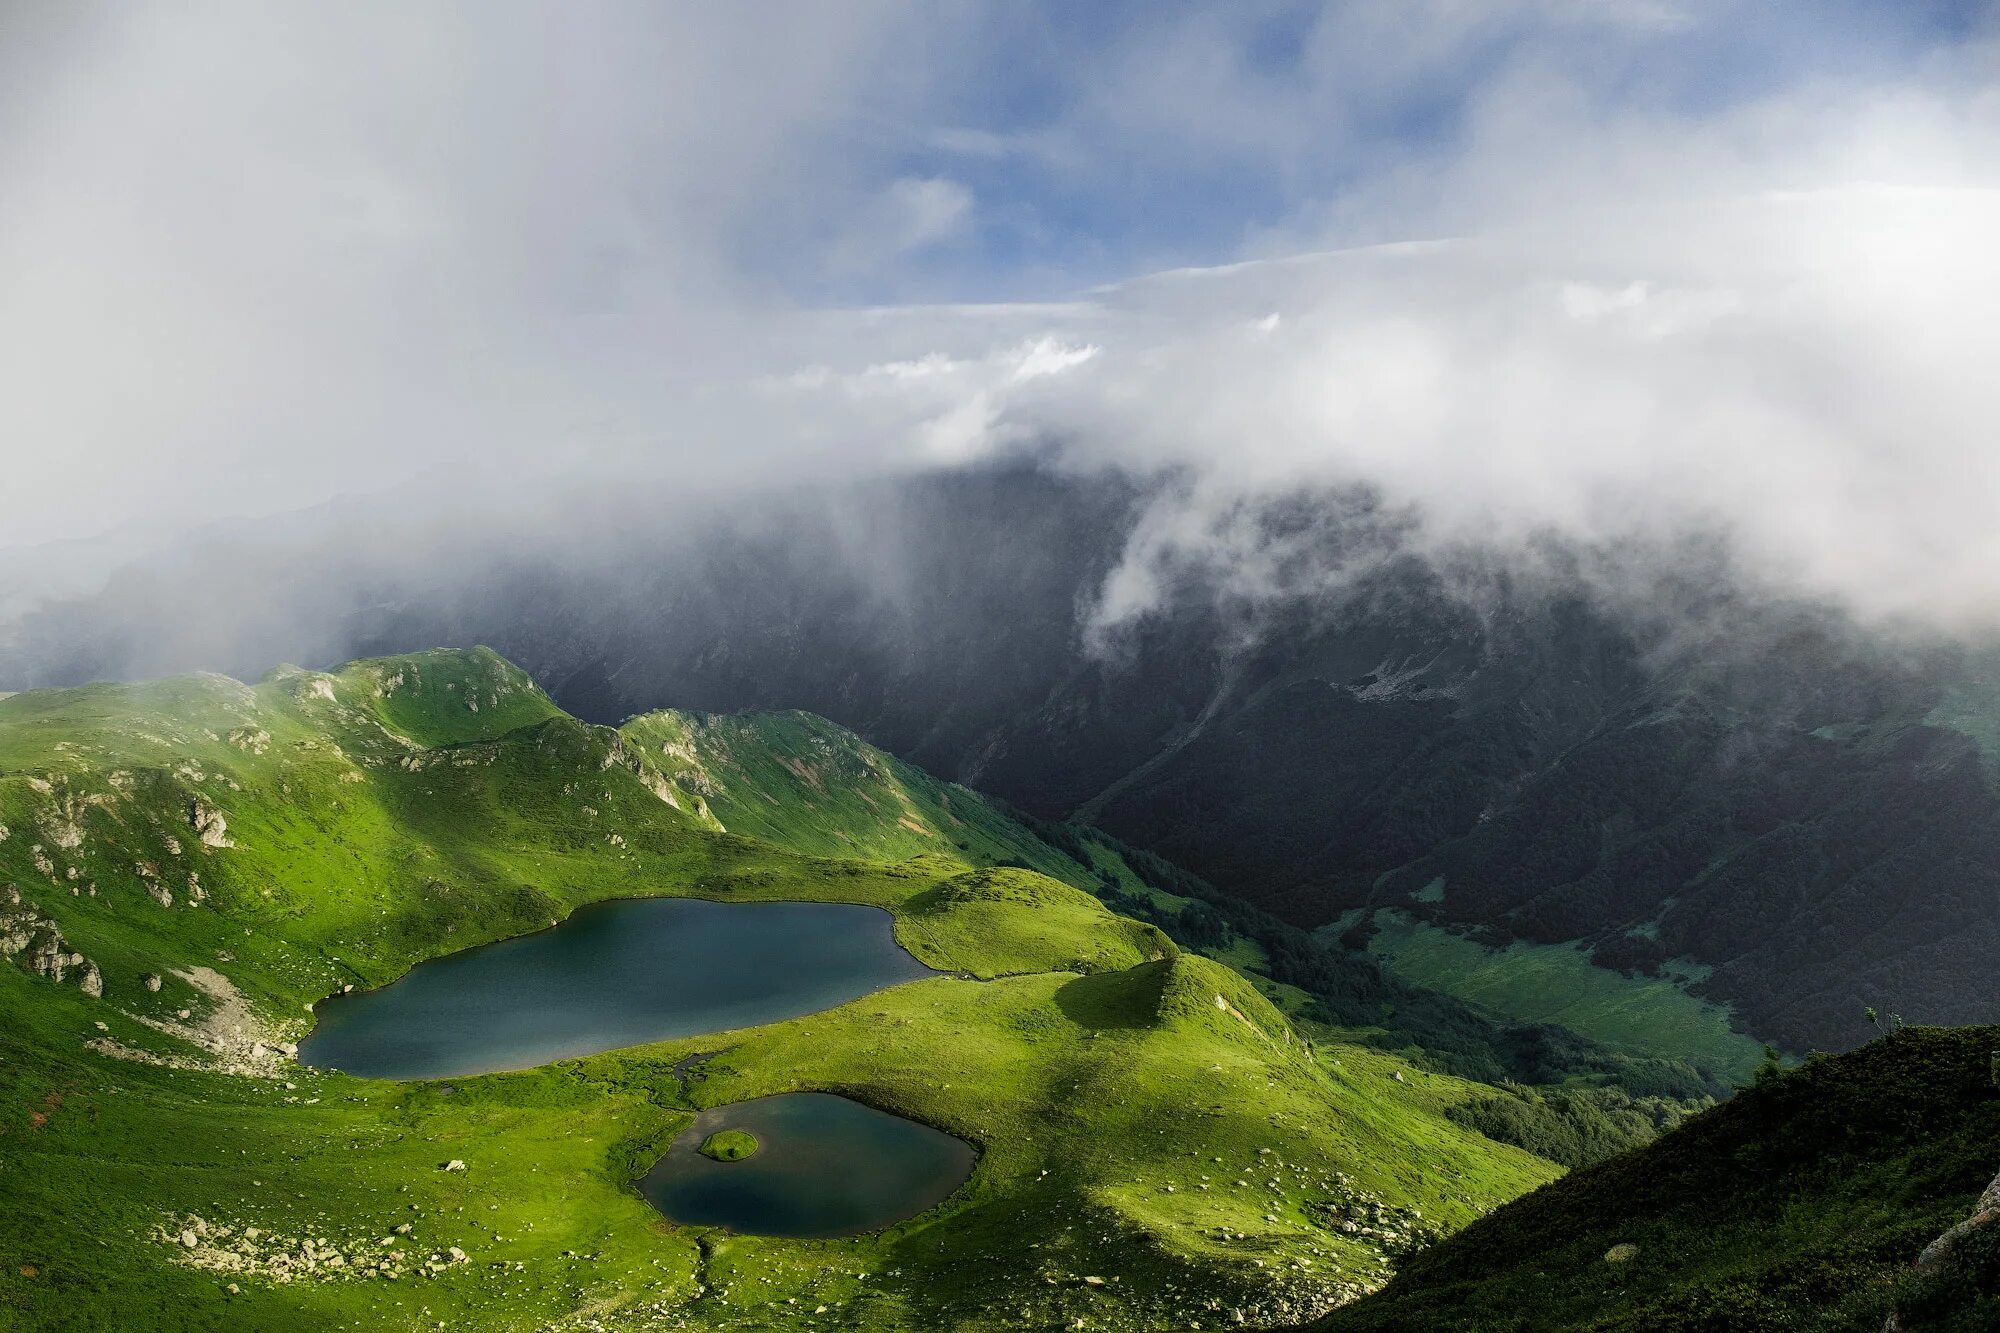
(1557, 983)
(799, 781)
(1143, 1116)
(729, 1145)
(1798, 1205)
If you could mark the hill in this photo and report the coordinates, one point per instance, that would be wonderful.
(192, 863)
(1800, 1204)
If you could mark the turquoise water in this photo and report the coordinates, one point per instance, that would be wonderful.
(614, 974)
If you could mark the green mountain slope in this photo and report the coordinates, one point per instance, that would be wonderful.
(799, 781)
(1558, 983)
(1798, 1205)
(190, 864)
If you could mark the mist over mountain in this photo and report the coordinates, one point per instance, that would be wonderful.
(1800, 807)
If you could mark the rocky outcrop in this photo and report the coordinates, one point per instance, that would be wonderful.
(34, 941)
(254, 739)
(208, 824)
(1984, 1214)
(1937, 1256)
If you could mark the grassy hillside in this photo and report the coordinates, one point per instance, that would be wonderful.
(799, 781)
(1558, 983)
(1158, 1144)
(1798, 1205)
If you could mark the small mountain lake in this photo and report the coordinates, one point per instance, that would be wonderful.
(613, 974)
(823, 1166)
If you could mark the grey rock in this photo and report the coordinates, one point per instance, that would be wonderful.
(208, 824)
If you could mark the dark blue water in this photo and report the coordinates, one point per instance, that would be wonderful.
(825, 1166)
(613, 974)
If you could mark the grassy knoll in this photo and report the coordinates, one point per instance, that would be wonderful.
(1157, 1143)
(1551, 983)
(729, 1145)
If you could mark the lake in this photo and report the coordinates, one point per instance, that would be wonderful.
(613, 974)
(824, 1166)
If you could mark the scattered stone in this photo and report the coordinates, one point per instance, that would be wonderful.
(1623, 1253)
(454, 1165)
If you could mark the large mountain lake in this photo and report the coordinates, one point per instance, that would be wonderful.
(823, 1166)
(613, 974)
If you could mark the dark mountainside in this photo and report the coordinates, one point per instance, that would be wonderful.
(1802, 1203)
(1812, 821)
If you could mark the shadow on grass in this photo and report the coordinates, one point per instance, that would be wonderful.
(1127, 999)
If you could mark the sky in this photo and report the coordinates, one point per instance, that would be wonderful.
(1601, 272)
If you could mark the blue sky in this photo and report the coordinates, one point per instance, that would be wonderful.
(1101, 140)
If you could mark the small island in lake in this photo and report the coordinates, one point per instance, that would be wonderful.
(729, 1145)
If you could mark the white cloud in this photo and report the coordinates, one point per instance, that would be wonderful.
(253, 257)
(1801, 372)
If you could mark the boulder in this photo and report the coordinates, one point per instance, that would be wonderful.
(1984, 1214)
(208, 824)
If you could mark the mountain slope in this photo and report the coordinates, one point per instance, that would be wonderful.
(1752, 802)
(1144, 1116)
(1800, 1204)
(798, 781)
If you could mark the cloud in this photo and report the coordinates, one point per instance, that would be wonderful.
(1558, 274)
(253, 257)
(1769, 328)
